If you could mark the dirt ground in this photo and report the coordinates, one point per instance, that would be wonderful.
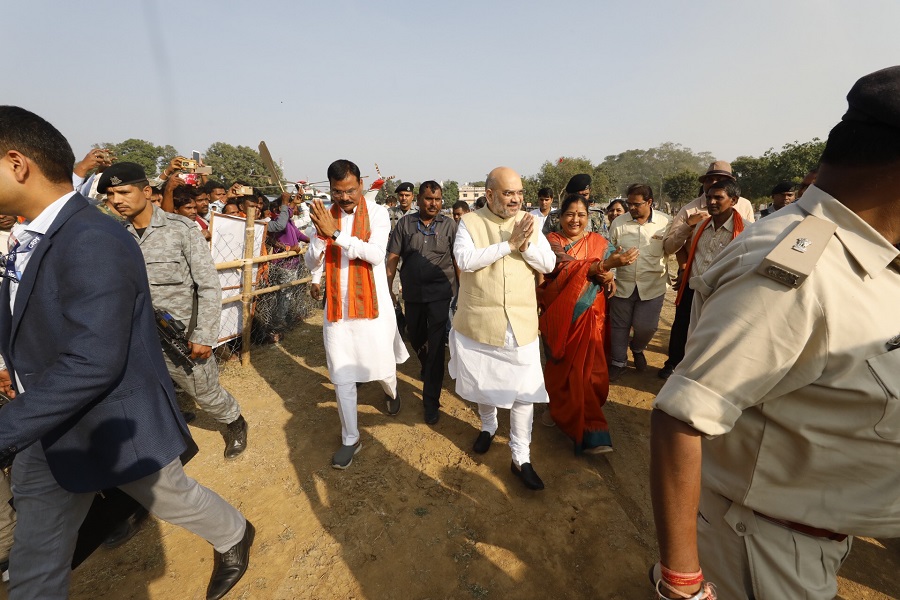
(418, 515)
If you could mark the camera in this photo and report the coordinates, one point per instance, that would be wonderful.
(243, 190)
(188, 164)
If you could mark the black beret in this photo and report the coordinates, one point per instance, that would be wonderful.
(578, 183)
(875, 98)
(121, 173)
(782, 187)
(404, 187)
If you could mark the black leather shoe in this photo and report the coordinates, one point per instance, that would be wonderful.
(125, 530)
(188, 416)
(432, 418)
(528, 476)
(230, 566)
(483, 442)
(665, 372)
(393, 404)
(236, 437)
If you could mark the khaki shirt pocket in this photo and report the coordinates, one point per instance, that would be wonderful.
(654, 246)
(885, 368)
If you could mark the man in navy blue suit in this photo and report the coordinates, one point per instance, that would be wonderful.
(94, 407)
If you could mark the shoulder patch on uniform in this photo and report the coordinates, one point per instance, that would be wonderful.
(792, 260)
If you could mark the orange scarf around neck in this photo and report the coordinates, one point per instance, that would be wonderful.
(738, 228)
(362, 301)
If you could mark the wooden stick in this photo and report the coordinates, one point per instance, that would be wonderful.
(234, 264)
(267, 290)
(247, 288)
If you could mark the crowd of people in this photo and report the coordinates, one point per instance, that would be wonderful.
(788, 401)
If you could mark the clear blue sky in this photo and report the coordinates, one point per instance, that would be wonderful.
(443, 90)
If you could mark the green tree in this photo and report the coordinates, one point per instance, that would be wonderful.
(681, 187)
(230, 163)
(758, 175)
(654, 165)
(450, 193)
(151, 157)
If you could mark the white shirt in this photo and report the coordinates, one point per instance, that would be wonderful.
(539, 218)
(538, 255)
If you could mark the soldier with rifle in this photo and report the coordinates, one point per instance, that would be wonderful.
(184, 285)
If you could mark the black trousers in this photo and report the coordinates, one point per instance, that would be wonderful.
(679, 334)
(426, 326)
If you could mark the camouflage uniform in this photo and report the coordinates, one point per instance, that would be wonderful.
(595, 222)
(395, 213)
(182, 274)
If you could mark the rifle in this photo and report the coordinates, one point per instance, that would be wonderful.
(174, 341)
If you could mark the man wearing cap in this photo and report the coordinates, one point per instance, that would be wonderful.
(94, 408)
(681, 230)
(404, 206)
(579, 184)
(782, 194)
(789, 401)
(183, 282)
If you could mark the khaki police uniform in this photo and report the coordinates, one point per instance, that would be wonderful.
(184, 282)
(798, 394)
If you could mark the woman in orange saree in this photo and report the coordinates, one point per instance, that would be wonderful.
(572, 300)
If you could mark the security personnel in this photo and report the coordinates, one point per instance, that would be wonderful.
(579, 184)
(183, 281)
(404, 206)
(790, 401)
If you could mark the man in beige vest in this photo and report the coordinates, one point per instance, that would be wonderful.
(494, 353)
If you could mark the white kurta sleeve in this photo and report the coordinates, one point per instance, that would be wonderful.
(469, 258)
(540, 256)
(314, 257)
(374, 250)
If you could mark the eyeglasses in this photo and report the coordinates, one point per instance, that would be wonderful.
(635, 204)
(344, 193)
(512, 193)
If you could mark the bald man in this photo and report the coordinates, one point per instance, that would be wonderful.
(494, 353)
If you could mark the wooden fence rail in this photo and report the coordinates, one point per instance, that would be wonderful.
(247, 292)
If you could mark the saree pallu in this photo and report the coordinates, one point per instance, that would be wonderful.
(573, 327)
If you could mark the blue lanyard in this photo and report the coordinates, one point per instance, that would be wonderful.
(10, 271)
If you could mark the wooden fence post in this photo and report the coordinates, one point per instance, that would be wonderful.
(247, 285)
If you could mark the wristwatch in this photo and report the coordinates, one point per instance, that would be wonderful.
(336, 233)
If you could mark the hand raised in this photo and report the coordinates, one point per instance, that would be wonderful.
(521, 233)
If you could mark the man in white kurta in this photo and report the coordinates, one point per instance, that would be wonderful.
(495, 357)
(356, 349)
